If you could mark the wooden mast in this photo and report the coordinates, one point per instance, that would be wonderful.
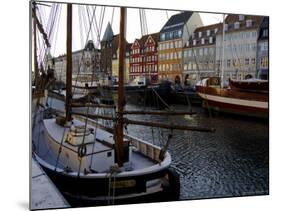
(36, 72)
(119, 148)
(68, 63)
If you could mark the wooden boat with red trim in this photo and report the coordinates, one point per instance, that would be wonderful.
(249, 101)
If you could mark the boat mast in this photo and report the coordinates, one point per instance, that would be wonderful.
(36, 72)
(119, 148)
(222, 64)
(68, 63)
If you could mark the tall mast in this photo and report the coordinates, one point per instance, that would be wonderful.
(68, 63)
(222, 64)
(36, 72)
(121, 101)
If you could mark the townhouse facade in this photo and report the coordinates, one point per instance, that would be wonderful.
(199, 53)
(173, 36)
(240, 47)
(144, 58)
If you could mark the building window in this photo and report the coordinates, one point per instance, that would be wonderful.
(194, 42)
(180, 44)
(189, 53)
(205, 51)
(241, 17)
(216, 30)
(236, 25)
(249, 23)
(208, 32)
(247, 61)
(163, 36)
(187, 43)
(210, 39)
(253, 60)
(202, 41)
(199, 34)
(225, 27)
(265, 33)
(179, 33)
(201, 51)
(228, 63)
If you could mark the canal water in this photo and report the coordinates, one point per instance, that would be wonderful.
(232, 161)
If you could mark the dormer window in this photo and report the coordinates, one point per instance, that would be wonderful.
(241, 17)
(208, 32)
(194, 42)
(249, 23)
(211, 40)
(236, 25)
(202, 41)
(199, 34)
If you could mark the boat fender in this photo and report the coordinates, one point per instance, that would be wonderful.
(82, 150)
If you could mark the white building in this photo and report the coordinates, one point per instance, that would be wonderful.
(240, 46)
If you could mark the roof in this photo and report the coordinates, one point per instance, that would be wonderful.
(142, 40)
(176, 22)
(209, 27)
(108, 34)
(233, 18)
(204, 35)
(90, 45)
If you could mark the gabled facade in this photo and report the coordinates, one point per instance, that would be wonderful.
(240, 46)
(85, 62)
(144, 59)
(173, 36)
(199, 54)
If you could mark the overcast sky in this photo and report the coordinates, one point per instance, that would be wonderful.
(155, 21)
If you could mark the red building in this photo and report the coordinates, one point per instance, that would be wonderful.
(143, 58)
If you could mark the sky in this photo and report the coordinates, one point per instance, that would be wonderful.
(155, 21)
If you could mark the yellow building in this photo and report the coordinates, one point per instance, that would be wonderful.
(115, 65)
(173, 37)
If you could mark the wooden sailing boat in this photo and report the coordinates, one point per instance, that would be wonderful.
(94, 165)
(246, 97)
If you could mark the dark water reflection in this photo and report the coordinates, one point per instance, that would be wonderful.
(233, 161)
